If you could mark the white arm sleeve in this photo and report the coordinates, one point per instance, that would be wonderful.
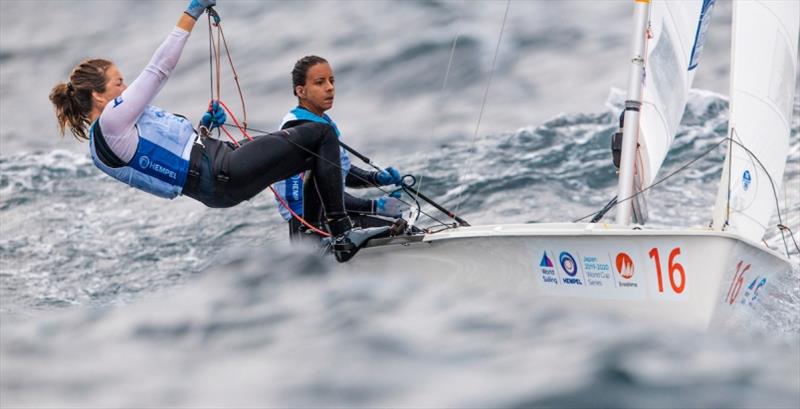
(119, 117)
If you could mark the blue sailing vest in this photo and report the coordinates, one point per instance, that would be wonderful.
(291, 189)
(161, 161)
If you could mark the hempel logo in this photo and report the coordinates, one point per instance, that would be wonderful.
(570, 267)
(145, 163)
(568, 263)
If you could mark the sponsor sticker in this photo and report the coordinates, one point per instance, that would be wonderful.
(597, 272)
(546, 262)
(568, 263)
(570, 268)
(746, 180)
(736, 283)
(751, 293)
(625, 269)
(548, 270)
(146, 163)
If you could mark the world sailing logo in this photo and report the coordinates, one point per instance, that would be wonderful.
(545, 261)
(548, 271)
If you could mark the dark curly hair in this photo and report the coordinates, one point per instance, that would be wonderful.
(301, 68)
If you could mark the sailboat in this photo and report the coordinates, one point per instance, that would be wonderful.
(702, 277)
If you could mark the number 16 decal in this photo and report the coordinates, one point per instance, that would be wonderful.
(677, 276)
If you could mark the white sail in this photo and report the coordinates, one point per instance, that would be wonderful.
(763, 73)
(678, 31)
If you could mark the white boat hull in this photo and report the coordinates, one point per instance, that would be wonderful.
(697, 277)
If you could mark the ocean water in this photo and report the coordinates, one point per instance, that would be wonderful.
(109, 298)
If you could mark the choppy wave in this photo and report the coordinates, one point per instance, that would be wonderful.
(110, 298)
(280, 330)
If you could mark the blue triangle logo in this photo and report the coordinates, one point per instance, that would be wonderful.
(546, 262)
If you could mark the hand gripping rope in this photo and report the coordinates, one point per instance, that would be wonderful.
(215, 73)
(214, 50)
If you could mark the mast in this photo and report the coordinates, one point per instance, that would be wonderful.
(630, 133)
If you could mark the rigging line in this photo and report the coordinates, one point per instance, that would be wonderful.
(654, 184)
(214, 55)
(771, 182)
(210, 60)
(791, 234)
(339, 166)
(216, 52)
(685, 166)
(450, 61)
(298, 217)
(235, 74)
(444, 86)
(483, 103)
(728, 184)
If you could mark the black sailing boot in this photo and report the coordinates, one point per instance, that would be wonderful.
(346, 241)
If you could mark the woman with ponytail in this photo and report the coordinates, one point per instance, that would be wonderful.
(160, 153)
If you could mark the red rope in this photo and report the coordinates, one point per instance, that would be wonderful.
(243, 127)
(298, 217)
(277, 196)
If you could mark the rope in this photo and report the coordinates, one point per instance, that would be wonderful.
(214, 57)
(415, 196)
(771, 182)
(235, 76)
(210, 59)
(483, 103)
(339, 166)
(784, 227)
(654, 184)
(781, 227)
(214, 62)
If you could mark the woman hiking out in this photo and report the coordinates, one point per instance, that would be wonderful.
(160, 153)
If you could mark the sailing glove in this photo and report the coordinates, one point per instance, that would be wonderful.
(214, 117)
(389, 176)
(390, 206)
(197, 7)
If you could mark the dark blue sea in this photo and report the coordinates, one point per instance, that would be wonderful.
(112, 298)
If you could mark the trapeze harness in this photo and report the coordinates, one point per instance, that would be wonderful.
(160, 164)
(158, 152)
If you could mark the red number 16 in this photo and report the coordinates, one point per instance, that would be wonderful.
(673, 267)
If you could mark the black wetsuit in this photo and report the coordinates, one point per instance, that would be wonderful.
(360, 210)
(223, 176)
